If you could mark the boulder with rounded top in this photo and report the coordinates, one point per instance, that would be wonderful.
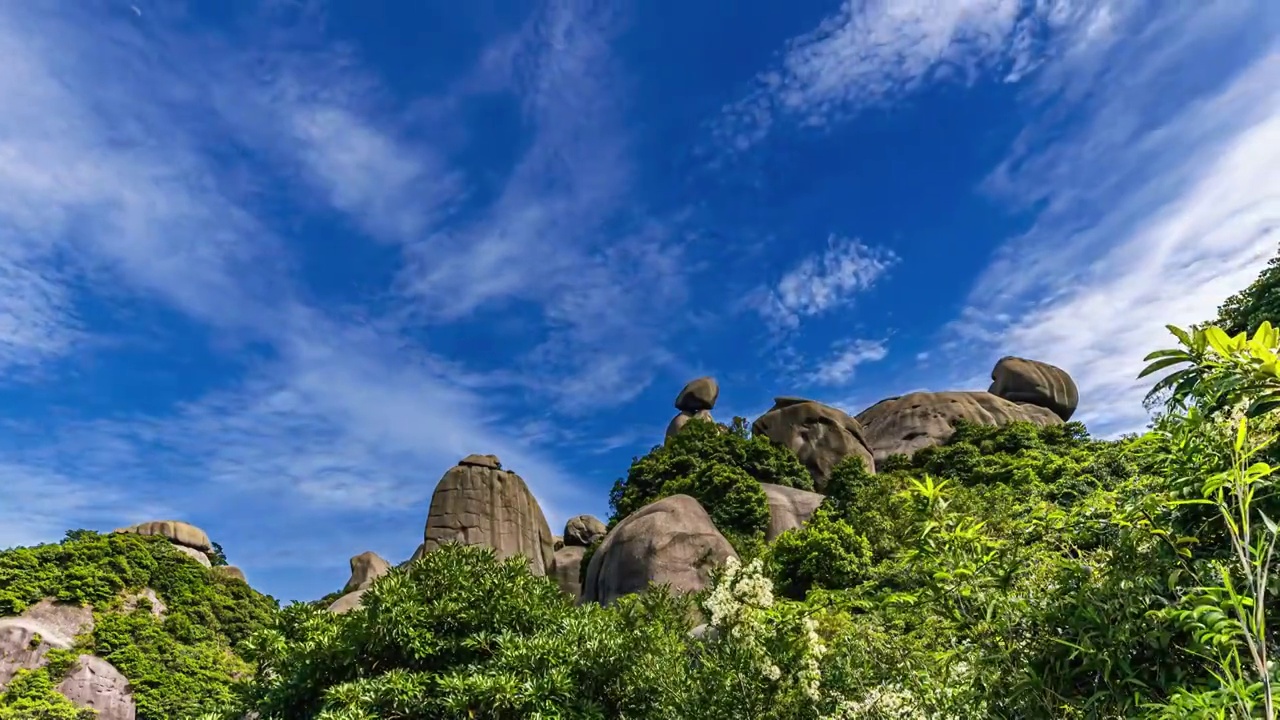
(1035, 383)
(568, 570)
(699, 394)
(583, 530)
(365, 568)
(96, 684)
(679, 421)
(906, 424)
(789, 508)
(177, 532)
(669, 542)
(347, 602)
(482, 504)
(489, 461)
(820, 435)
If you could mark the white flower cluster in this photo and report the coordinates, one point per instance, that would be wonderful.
(879, 703)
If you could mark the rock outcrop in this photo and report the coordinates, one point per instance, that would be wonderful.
(194, 555)
(1032, 382)
(230, 571)
(348, 602)
(903, 425)
(96, 684)
(568, 569)
(365, 568)
(669, 542)
(820, 435)
(789, 508)
(177, 532)
(479, 503)
(91, 683)
(583, 530)
(695, 400)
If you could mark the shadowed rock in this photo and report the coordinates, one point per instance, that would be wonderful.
(1035, 383)
(669, 542)
(903, 425)
(789, 508)
(568, 570)
(699, 394)
(347, 602)
(583, 530)
(820, 435)
(477, 503)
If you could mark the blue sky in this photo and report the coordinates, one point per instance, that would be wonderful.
(274, 267)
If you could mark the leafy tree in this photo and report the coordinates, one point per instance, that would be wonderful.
(1245, 311)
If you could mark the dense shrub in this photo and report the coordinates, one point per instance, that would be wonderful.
(177, 666)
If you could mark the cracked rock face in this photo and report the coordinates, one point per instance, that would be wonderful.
(904, 425)
(820, 435)
(478, 503)
(96, 684)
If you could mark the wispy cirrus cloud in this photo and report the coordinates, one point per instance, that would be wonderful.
(1154, 210)
(842, 364)
(872, 52)
(823, 282)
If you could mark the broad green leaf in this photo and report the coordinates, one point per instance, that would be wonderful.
(1162, 364)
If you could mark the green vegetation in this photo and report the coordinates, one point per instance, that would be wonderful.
(1245, 311)
(178, 665)
(722, 467)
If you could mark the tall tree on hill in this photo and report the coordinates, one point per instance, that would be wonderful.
(1249, 308)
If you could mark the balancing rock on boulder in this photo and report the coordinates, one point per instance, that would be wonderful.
(679, 421)
(583, 530)
(479, 503)
(185, 537)
(669, 542)
(365, 568)
(1032, 382)
(789, 508)
(699, 394)
(820, 435)
(903, 425)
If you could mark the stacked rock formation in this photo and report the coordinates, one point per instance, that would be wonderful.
(820, 435)
(92, 683)
(479, 503)
(696, 400)
(1031, 382)
(187, 538)
(579, 533)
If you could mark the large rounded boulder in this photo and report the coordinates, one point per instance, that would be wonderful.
(903, 425)
(699, 394)
(1035, 383)
(365, 568)
(789, 508)
(669, 542)
(479, 503)
(583, 530)
(176, 531)
(820, 435)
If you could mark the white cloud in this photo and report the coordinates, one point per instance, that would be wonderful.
(823, 282)
(876, 51)
(840, 366)
(1155, 208)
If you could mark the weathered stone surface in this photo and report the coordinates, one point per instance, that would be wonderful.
(483, 505)
(347, 602)
(789, 508)
(679, 421)
(19, 648)
(365, 568)
(568, 571)
(903, 425)
(669, 542)
(557, 542)
(178, 532)
(194, 555)
(820, 435)
(231, 571)
(66, 620)
(1035, 383)
(94, 683)
(699, 394)
(583, 530)
(489, 461)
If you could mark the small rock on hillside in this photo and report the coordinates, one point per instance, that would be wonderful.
(478, 503)
(231, 571)
(583, 530)
(669, 542)
(1035, 383)
(365, 568)
(679, 421)
(789, 508)
(699, 394)
(820, 435)
(177, 532)
(96, 684)
(347, 602)
(903, 425)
